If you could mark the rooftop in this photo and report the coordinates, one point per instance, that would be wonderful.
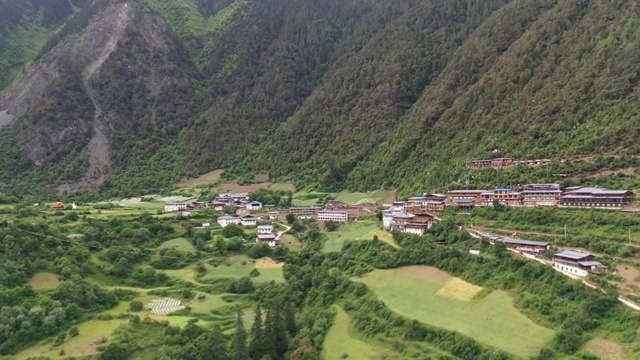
(523, 242)
(572, 254)
(266, 237)
(227, 217)
(589, 263)
(466, 191)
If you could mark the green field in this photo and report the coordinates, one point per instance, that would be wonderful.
(180, 244)
(430, 296)
(240, 266)
(82, 345)
(348, 231)
(268, 275)
(341, 344)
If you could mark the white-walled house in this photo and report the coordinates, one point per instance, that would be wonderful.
(254, 205)
(174, 207)
(265, 229)
(268, 239)
(332, 215)
(226, 220)
(248, 221)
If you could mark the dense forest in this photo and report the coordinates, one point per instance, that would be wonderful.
(129, 96)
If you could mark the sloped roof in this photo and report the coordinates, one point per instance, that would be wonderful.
(572, 254)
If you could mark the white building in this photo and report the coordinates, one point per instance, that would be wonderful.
(268, 239)
(387, 217)
(254, 205)
(332, 215)
(226, 220)
(265, 229)
(174, 207)
(248, 221)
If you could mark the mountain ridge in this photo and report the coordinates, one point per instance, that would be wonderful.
(330, 94)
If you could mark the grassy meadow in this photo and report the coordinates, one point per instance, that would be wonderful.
(433, 297)
(44, 281)
(341, 344)
(360, 230)
(180, 244)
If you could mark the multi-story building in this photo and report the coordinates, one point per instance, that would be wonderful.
(492, 163)
(265, 229)
(541, 194)
(305, 212)
(504, 196)
(227, 220)
(596, 197)
(268, 239)
(467, 194)
(248, 220)
(436, 206)
(332, 215)
(175, 206)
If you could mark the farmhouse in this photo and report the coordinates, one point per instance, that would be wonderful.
(526, 246)
(541, 194)
(397, 206)
(265, 229)
(416, 201)
(504, 196)
(332, 215)
(254, 205)
(492, 163)
(305, 212)
(578, 263)
(436, 206)
(465, 205)
(389, 216)
(248, 220)
(226, 220)
(435, 197)
(269, 239)
(175, 206)
(596, 197)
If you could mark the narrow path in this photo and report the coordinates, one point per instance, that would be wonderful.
(280, 233)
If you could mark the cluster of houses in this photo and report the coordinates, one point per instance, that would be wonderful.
(237, 202)
(498, 163)
(542, 195)
(573, 262)
(334, 210)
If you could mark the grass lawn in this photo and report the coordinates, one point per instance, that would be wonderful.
(283, 187)
(205, 306)
(185, 274)
(233, 268)
(351, 197)
(433, 297)
(340, 342)
(44, 281)
(349, 231)
(180, 244)
(267, 275)
(205, 179)
(382, 236)
(290, 242)
(82, 345)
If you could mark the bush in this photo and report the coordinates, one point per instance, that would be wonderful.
(73, 332)
(136, 305)
(232, 230)
(254, 273)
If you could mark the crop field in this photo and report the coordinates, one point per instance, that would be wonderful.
(605, 349)
(208, 178)
(44, 281)
(82, 345)
(283, 187)
(341, 344)
(180, 244)
(433, 297)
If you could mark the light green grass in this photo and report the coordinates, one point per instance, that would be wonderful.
(382, 235)
(282, 187)
(205, 306)
(492, 320)
(269, 274)
(185, 274)
(340, 342)
(44, 281)
(180, 244)
(82, 345)
(234, 270)
(349, 231)
(351, 197)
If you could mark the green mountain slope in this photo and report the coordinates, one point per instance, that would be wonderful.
(332, 93)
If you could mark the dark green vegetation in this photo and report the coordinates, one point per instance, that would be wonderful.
(94, 268)
(130, 96)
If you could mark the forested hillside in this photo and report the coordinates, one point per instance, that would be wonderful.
(132, 95)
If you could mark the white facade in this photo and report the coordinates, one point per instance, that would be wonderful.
(248, 221)
(571, 269)
(226, 220)
(331, 215)
(411, 230)
(265, 229)
(268, 239)
(173, 207)
(254, 205)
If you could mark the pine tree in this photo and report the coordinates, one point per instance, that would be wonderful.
(239, 349)
(256, 348)
(214, 346)
(290, 320)
(268, 335)
(280, 332)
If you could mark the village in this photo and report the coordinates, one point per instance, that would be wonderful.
(419, 213)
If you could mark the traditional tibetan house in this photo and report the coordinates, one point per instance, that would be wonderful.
(596, 197)
(436, 206)
(269, 239)
(541, 194)
(454, 195)
(577, 263)
(504, 196)
(526, 246)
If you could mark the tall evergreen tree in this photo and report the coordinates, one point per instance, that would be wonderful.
(280, 332)
(239, 349)
(256, 347)
(214, 346)
(290, 320)
(268, 335)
